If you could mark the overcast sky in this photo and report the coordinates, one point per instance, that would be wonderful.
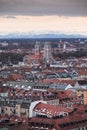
(44, 7)
(45, 12)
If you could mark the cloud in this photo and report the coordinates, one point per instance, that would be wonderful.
(44, 7)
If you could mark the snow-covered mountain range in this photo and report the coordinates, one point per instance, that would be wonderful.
(42, 35)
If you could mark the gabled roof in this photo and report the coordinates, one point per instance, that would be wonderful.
(68, 87)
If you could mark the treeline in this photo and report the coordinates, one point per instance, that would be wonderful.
(14, 58)
(65, 55)
(11, 46)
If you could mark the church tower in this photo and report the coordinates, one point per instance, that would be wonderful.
(47, 52)
(37, 48)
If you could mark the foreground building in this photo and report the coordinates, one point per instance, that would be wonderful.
(48, 117)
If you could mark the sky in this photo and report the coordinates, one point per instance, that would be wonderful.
(42, 16)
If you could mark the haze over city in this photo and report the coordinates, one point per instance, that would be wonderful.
(39, 16)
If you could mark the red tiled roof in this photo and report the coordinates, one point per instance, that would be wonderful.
(16, 76)
(60, 71)
(82, 72)
(35, 56)
(50, 109)
(62, 81)
(66, 94)
(65, 123)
